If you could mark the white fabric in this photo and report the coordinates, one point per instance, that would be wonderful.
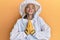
(45, 30)
(16, 34)
(41, 28)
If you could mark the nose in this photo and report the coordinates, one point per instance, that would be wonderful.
(30, 10)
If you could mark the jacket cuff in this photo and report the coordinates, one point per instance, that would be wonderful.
(39, 36)
(22, 35)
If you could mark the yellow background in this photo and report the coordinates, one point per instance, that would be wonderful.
(9, 13)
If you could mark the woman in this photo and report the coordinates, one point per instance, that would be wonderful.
(30, 26)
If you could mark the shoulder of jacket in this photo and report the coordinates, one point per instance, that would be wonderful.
(19, 20)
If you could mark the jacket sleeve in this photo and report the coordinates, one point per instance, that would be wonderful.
(17, 34)
(44, 34)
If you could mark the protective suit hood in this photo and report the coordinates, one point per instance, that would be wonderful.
(23, 5)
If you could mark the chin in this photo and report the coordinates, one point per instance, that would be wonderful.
(31, 13)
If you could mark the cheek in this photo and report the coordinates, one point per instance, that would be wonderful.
(33, 11)
(27, 10)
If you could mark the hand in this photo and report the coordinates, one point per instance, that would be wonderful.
(32, 32)
(27, 31)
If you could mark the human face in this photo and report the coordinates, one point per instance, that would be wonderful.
(30, 9)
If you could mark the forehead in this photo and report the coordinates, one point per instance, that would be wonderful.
(30, 4)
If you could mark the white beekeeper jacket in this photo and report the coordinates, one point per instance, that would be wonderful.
(42, 29)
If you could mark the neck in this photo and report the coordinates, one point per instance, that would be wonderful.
(29, 17)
